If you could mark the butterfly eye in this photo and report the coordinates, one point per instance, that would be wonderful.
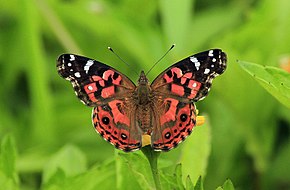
(106, 120)
(183, 117)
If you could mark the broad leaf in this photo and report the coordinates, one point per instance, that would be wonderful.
(195, 152)
(100, 176)
(133, 171)
(69, 159)
(276, 81)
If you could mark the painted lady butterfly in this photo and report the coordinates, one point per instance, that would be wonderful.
(123, 113)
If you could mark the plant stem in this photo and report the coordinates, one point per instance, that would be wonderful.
(152, 157)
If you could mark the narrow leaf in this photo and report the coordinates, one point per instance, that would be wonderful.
(189, 184)
(181, 19)
(7, 157)
(198, 184)
(178, 176)
(8, 175)
(228, 185)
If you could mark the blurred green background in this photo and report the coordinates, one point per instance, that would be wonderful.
(245, 138)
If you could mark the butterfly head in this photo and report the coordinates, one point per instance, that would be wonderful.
(142, 79)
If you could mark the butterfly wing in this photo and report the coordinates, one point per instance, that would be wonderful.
(174, 122)
(176, 89)
(110, 92)
(191, 78)
(94, 82)
(114, 121)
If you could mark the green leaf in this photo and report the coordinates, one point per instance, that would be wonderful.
(198, 184)
(103, 176)
(276, 81)
(99, 176)
(69, 159)
(181, 19)
(178, 176)
(195, 152)
(167, 181)
(8, 156)
(133, 171)
(278, 172)
(189, 184)
(228, 185)
(8, 175)
(56, 181)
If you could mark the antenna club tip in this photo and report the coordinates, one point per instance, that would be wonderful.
(173, 45)
(109, 48)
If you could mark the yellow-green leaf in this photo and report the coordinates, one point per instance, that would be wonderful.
(276, 81)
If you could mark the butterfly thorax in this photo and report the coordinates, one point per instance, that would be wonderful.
(142, 92)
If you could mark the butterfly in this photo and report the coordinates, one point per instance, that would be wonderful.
(124, 112)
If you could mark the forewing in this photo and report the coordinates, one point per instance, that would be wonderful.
(191, 78)
(94, 82)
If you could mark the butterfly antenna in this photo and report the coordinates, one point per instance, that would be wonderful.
(121, 59)
(161, 58)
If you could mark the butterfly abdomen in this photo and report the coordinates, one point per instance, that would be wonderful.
(144, 119)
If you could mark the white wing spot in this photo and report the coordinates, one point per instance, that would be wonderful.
(212, 65)
(210, 53)
(88, 65)
(213, 59)
(71, 70)
(194, 85)
(72, 57)
(195, 61)
(197, 65)
(69, 64)
(90, 87)
(206, 71)
(77, 74)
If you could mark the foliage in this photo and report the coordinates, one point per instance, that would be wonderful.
(276, 81)
(47, 141)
